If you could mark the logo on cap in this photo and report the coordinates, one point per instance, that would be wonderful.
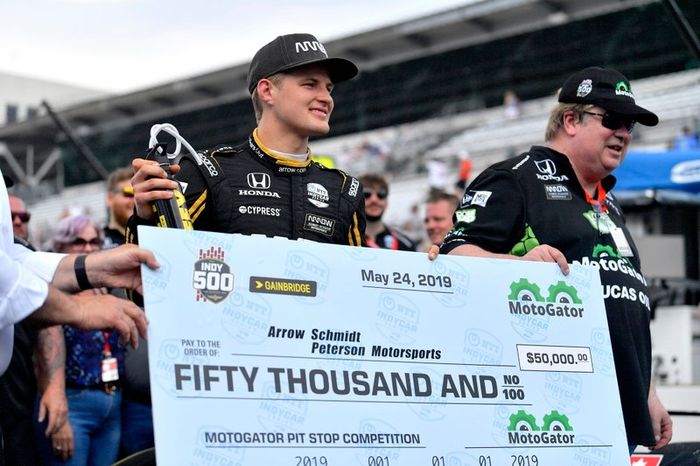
(584, 88)
(622, 88)
(306, 45)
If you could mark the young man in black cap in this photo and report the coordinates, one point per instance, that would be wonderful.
(553, 204)
(269, 184)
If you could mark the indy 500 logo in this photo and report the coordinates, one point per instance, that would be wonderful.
(212, 277)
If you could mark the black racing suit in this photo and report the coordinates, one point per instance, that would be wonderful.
(247, 189)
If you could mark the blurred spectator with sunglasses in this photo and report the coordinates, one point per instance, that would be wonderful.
(20, 218)
(120, 202)
(378, 234)
(553, 204)
(93, 362)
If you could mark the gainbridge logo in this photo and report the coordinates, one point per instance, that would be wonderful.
(523, 429)
(527, 298)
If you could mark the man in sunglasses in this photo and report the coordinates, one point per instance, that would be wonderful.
(380, 235)
(20, 218)
(120, 201)
(553, 204)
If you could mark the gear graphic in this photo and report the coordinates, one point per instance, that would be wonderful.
(601, 250)
(560, 292)
(524, 290)
(522, 421)
(556, 421)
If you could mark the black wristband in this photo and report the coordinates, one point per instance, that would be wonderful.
(81, 273)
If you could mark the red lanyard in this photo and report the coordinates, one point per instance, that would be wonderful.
(107, 347)
(598, 203)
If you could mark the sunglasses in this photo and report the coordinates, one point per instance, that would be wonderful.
(23, 216)
(381, 194)
(127, 191)
(614, 121)
(97, 242)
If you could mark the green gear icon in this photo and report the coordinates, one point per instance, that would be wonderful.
(523, 290)
(522, 421)
(556, 421)
(560, 292)
(601, 250)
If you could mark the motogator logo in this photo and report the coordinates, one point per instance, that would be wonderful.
(562, 300)
(555, 430)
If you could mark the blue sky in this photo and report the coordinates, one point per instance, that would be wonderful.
(123, 45)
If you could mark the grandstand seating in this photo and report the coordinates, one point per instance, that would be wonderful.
(486, 133)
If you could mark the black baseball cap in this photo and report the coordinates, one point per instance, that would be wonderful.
(608, 89)
(292, 51)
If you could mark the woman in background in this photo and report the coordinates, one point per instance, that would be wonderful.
(93, 367)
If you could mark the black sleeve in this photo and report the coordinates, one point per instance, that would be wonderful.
(197, 197)
(491, 214)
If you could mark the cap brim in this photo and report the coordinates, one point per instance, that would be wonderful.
(8, 181)
(339, 69)
(628, 109)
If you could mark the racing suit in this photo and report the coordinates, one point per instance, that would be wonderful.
(247, 189)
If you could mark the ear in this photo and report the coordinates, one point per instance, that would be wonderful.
(264, 90)
(570, 123)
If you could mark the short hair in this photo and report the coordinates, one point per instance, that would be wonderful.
(556, 117)
(437, 195)
(374, 180)
(117, 176)
(69, 228)
(258, 105)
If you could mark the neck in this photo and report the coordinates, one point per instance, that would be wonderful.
(115, 226)
(373, 228)
(586, 178)
(274, 137)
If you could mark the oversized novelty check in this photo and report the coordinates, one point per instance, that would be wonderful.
(271, 352)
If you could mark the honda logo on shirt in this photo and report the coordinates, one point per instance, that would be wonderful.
(546, 166)
(259, 180)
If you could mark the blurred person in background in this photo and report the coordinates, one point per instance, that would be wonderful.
(439, 209)
(137, 416)
(378, 234)
(93, 369)
(687, 140)
(120, 204)
(20, 219)
(465, 171)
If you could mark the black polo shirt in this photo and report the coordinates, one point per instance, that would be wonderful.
(534, 199)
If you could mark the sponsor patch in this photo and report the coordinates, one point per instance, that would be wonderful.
(258, 180)
(466, 215)
(319, 224)
(557, 192)
(317, 194)
(258, 192)
(210, 166)
(259, 210)
(354, 186)
(481, 198)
